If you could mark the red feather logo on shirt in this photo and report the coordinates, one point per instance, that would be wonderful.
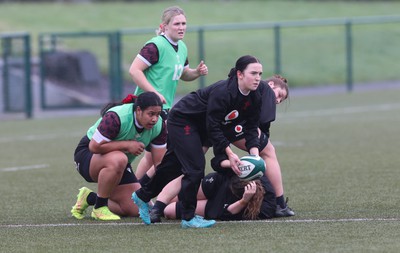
(232, 115)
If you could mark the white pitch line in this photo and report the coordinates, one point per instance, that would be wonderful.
(177, 223)
(29, 167)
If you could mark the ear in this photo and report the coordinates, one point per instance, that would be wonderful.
(239, 74)
(162, 27)
(138, 109)
(271, 84)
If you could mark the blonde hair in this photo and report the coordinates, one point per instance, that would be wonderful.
(167, 16)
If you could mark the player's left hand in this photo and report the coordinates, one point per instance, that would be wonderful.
(202, 69)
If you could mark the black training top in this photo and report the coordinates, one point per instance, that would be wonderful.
(217, 189)
(268, 113)
(221, 106)
(268, 110)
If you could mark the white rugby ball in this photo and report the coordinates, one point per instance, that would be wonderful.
(252, 167)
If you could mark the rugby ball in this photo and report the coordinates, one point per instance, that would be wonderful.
(252, 167)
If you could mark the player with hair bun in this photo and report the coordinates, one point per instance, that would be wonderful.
(199, 117)
(104, 155)
(274, 91)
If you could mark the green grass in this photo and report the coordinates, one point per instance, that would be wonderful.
(339, 157)
(310, 55)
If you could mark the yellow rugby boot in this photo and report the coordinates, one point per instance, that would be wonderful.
(79, 209)
(103, 213)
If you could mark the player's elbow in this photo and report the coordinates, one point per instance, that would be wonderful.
(94, 147)
(132, 72)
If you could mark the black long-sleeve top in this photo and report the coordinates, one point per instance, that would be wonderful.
(268, 109)
(220, 106)
(267, 115)
(216, 188)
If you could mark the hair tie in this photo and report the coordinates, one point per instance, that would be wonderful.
(232, 72)
(129, 99)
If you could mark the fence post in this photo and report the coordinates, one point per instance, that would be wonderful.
(117, 69)
(349, 57)
(114, 65)
(277, 36)
(201, 54)
(28, 83)
(42, 46)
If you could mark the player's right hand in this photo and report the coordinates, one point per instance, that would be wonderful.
(235, 162)
(135, 147)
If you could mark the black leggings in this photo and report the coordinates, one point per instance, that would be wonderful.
(184, 156)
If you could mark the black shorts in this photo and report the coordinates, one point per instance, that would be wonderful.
(210, 184)
(83, 156)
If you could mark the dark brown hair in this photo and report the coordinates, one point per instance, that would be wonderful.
(241, 64)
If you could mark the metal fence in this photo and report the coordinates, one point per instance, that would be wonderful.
(15, 73)
(270, 40)
(88, 69)
(71, 76)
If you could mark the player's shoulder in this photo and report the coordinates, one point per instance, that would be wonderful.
(156, 39)
(182, 44)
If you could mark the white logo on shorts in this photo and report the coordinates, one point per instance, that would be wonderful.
(210, 180)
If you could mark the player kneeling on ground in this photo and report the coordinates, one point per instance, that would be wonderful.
(105, 153)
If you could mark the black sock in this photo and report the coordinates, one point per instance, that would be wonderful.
(144, 180)
(91, 198)
(159, 206)
(281, 201)
(100, 202)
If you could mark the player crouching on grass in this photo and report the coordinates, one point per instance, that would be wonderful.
(104, 155)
